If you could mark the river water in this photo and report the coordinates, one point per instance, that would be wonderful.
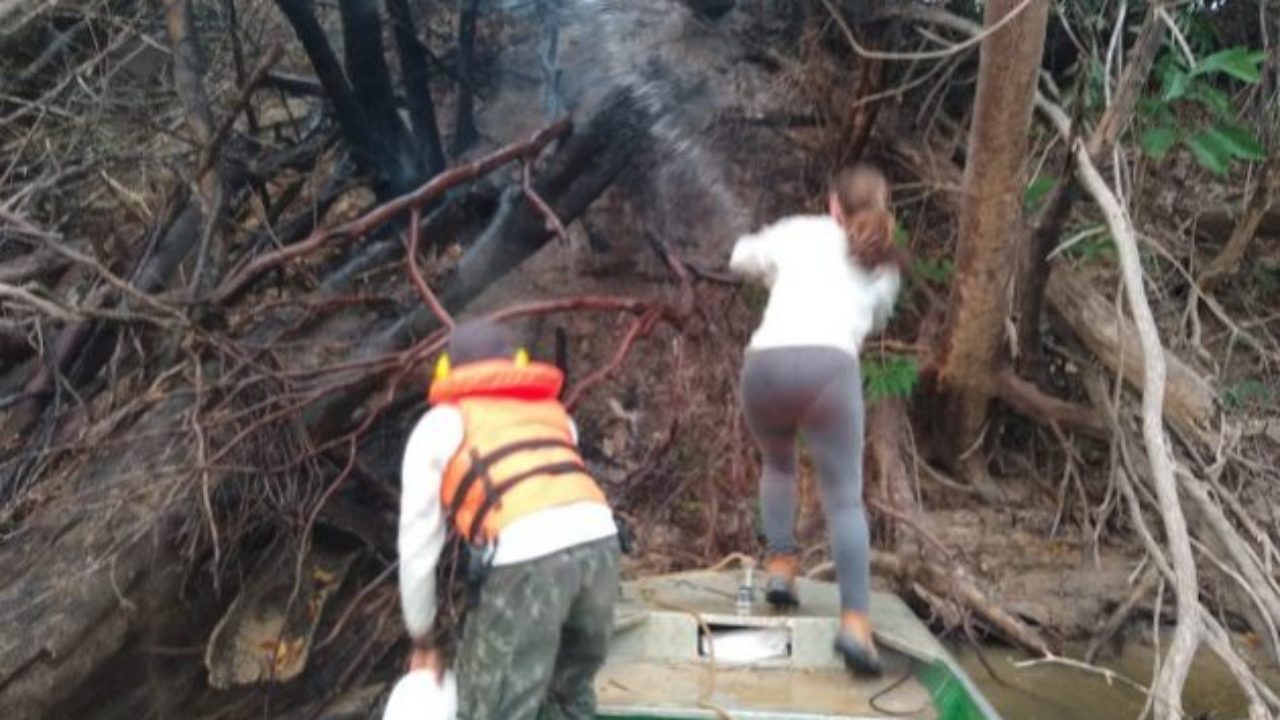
(1049, 691)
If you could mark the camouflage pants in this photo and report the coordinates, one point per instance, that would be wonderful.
(532, 646)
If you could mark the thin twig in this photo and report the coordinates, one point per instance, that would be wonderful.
(380, 215)
(209, 154)
(553, 223)
(415, 274)
(927, 54)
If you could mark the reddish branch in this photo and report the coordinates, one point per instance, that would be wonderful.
(553, 223)
(415, 273)
(640, 327)
(380, 215)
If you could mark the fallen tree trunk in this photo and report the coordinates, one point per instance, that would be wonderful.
(954, 582)
(581, 170)
(1189, 401)
(76, 577)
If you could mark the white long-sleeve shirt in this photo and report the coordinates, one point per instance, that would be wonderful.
(817, 295)
(431, 446)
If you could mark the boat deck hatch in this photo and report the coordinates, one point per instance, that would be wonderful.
(743, 644)
(685, 647)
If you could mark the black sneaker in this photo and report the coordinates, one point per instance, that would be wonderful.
(859, 657)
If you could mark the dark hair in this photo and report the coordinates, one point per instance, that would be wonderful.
(476, 340)
(863, 194)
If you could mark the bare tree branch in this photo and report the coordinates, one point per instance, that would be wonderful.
(1186, 637)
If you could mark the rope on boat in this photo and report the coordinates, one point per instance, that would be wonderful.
(873, 701)
(704, 699)
(742, 559)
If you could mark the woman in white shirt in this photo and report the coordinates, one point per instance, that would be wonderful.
(832, 280)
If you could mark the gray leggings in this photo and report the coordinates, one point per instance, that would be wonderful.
(816, 391)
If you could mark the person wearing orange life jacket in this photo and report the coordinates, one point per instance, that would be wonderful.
(496, 461)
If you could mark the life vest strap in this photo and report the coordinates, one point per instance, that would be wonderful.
(480, 465)
(493, 497)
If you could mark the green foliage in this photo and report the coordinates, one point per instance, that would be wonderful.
(1217, 146)
(1240, 63)
(1207, 153)
(1215, 140)
(1175, 81)
(937, 271)
(889, 376)
(1239, 142)
(1158, 141)
(900, 235)
(1250, 393)
(1090, 249)
(1036, 192)
(1088, 244)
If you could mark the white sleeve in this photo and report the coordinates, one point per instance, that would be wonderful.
(754, 256)
(434, 440)
(885, 281)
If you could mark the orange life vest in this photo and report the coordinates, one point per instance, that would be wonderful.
(518, 455)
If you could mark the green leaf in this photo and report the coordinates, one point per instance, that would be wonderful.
(1238, 62)
(1211, 97)
(1209, 152)
(1155, 111)
(934, 271)
(1037, 190)
(1092, 249)
(1158, 141)
(1175, 82)
(900, 235)
(1238, 142)
(1248, 392)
